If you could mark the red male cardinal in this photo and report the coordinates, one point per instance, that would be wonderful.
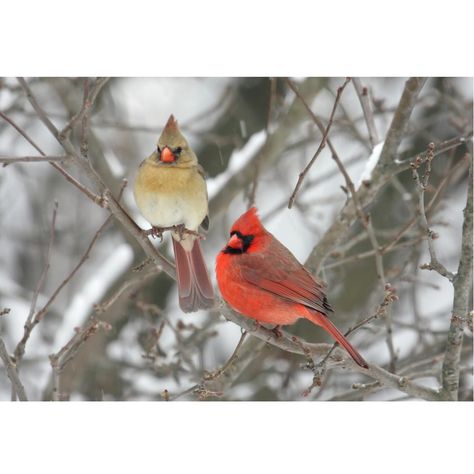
(259, 277)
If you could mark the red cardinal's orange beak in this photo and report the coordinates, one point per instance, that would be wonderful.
(235, 242)
(167, 155)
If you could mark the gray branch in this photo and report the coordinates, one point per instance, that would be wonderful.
(12, 373)
(462, 288)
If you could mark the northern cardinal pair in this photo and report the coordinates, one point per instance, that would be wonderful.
(257, 275)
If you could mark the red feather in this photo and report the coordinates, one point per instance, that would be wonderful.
(194, 286)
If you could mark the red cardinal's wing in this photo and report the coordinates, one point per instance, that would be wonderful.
(278, 272)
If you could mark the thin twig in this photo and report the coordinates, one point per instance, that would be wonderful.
(12, 372)
(67, 353)
(253, 186)
(89, 99)
(322, 144)
(93, 197)
(6, 160)
(370, 253)
(271, 102)
(218, 372)
(85, 121)
(218, 382)
(41, 313)
(31, 322)
(422, 184)
(364, 98)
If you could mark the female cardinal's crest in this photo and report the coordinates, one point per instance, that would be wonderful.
(171, 135)
(171, 124)
(248, 223)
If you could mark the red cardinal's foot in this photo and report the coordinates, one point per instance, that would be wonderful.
(277, 332)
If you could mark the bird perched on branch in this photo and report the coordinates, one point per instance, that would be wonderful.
(171, 193)
(259, 277)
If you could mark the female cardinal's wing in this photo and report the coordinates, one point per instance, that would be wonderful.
(277, 271)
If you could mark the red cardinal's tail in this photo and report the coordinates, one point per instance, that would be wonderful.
(194, 286)
(326, 324)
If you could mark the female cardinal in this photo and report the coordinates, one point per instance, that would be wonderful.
(170, 191)
(259, 277)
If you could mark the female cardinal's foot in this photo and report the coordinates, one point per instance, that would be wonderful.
(180, 230)
(156, 232)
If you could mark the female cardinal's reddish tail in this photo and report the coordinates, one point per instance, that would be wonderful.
(259, 277)
(194, 287)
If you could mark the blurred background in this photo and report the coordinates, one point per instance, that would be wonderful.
(153, 351)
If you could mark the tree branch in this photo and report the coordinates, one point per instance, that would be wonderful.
(94, 198)
(381, 175)
(322, 144)
(12, 373)
(7, 160)
(31, 322)
(421, 184)
(363, 94)
(462, 288)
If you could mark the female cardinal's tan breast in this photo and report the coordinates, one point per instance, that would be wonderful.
(171, 195)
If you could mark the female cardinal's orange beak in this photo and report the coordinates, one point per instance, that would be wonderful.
(167, 155)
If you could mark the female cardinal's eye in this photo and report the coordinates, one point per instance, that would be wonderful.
(158, 150)
(177, 150)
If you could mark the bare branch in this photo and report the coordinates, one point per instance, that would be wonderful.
(363, 94)
(41, 313)
(85, 121)
(12, 373)
(216, 383)
(324, 138)
(89, 99)
(7, 160)
(31, 322)
(380, 176)
(60, 360)
(421, 184)
(93, 197)
(400, 120)
(462, 287)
